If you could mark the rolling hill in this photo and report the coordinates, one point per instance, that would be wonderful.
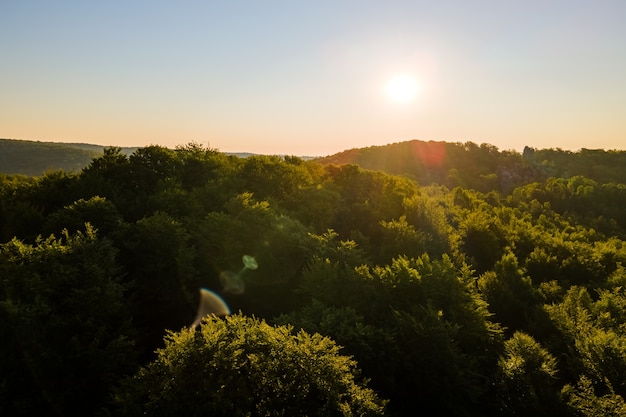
(34, 158)
(483, 167)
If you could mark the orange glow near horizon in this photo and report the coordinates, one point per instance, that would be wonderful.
(432, 154)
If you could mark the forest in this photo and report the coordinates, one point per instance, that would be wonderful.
(34, 158)
(438, 279)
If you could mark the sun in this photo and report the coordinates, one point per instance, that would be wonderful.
(402, 88)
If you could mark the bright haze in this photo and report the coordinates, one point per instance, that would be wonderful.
(314, 77)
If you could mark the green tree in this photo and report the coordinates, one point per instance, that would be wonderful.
(511, 295)
(397, 237)
(242, 366)
(150, 165)
(590, 334)
(481, 239)
(25, 202)
(586, 402)
(109, 176)
(442, 347)
(199, 165)
(157, 255)
(314, 205)
(367, 198)
(97, 211)
(54, 190)
(273, 176)
(370, 345)
(65, 329)
(427, 212)
(527, 378)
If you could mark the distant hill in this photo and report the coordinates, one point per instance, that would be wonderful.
(34, 158)
(602, 166)
(482, 167)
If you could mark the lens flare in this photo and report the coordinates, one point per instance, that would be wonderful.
(249, 262)
(210, 304)
(232, 283)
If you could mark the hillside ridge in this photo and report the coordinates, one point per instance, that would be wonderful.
(481, 167)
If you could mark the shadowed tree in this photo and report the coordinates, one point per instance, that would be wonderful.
(97, 211)
(527, 379)
(510, 295)
(65, 329)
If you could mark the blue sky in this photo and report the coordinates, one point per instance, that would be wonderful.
(308, 78)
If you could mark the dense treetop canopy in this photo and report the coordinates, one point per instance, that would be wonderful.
(468, 288)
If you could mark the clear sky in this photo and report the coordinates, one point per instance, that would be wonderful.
(313, 77)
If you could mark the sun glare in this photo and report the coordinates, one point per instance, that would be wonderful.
(402, 88)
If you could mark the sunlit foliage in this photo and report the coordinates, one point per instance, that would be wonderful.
(243, 366)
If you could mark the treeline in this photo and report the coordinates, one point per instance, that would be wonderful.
(373, 294)
(483, 167)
